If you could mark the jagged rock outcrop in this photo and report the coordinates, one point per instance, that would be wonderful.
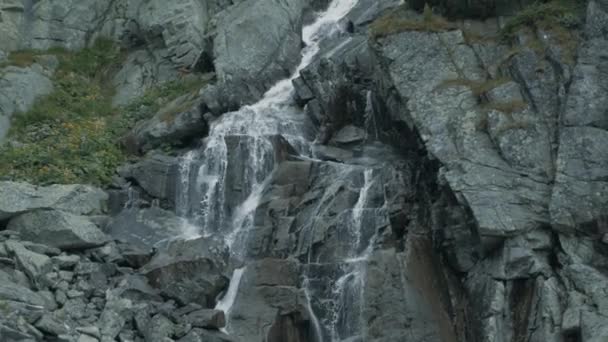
(520, 173)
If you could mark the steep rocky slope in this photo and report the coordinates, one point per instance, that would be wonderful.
(348, 171)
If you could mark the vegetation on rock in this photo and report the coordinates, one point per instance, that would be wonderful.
(397, 21)
(553, 14)
(73, 134)
(558, 19)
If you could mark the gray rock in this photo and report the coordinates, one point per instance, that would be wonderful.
(142, 70)
(202, 335)
(190, 271)
(579, 194)
(176, 123)
(51, 325)
(17, 198)
(267, 297)
(33, 264)
(594, 328)
(87, 338)
(206, 318)
(19, 88)
(447, 119)
(251, 62)
(67, 25)
(146, 228)
(114, 316)
(18, 293)
(156, 174)
(159, 329)
(66, 262)
(91, 331)
(12, 335)
(58, 229)
(42, 249)
(348, 135)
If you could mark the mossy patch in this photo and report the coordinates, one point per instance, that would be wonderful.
(397, 21)
(73, 134)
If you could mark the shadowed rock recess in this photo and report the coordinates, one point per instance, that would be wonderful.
(335, 171)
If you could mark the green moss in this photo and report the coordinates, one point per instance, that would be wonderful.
(397, 21)
(73, 135)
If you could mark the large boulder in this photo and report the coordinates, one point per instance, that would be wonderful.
(149, 227)
(268, 297)
(58, 228)
(257, 44)
(12, 292)
(177, 123)
(190, 271)
(156, 174)
(17, 198)
(202, 335)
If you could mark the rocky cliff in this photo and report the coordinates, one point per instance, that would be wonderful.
(304, 170)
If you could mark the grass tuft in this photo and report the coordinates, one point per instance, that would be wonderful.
(507, 107)
(551, 14)
(396, 22)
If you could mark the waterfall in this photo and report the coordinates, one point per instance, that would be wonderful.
(225, 304)
(238, 157)
(342, 319)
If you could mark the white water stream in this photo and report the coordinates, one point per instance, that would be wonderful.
(240, 147)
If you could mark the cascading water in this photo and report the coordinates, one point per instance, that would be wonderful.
(341, 304)
(239, 155)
